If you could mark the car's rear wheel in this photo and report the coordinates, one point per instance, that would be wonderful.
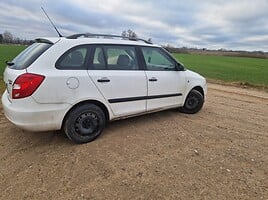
(193, 103)
(84, 123)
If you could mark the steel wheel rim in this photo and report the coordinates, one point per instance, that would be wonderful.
(87, 124)
(192, 102)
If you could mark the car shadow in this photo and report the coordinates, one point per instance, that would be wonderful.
(141, 120)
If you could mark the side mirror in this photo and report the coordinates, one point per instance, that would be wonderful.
(180, 67)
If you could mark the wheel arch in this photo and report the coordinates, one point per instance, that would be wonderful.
(196, 87)
(95, 102)
(199, 89)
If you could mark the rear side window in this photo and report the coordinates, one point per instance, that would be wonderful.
(99, 59)
(115, 57)
(29, 55)
(75, 58)
(121, 57)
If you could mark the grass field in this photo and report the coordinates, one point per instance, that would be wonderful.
(7, 53)
(251, 71)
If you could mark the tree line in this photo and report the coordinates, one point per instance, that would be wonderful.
(8, 38)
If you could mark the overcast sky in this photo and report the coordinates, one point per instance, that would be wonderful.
(213, 24)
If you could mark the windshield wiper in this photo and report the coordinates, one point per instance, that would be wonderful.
(10, 63)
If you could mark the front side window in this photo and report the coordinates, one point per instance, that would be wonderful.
(73, 59)
(115, 57)
(157, 60)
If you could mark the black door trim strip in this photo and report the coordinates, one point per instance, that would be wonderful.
(120, 100)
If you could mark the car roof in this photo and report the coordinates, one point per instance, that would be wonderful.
(95, 40)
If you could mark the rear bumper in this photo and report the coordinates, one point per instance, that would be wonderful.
(29, 115)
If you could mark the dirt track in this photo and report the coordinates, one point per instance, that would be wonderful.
(219, 153)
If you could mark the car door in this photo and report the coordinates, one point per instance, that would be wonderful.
(115, 71)
(166, 84)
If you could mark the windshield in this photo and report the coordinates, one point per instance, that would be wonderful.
(29, 55)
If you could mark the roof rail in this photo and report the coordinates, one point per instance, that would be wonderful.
(75, 36)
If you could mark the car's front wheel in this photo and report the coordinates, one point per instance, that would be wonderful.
(193, 103)
(84, 123)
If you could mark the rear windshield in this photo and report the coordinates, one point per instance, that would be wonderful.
(29, 55)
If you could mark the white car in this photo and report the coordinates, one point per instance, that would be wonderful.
(78, 83)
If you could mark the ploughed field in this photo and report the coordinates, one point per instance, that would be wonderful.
(219, 153)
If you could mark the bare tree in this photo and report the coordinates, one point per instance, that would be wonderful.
(129, 33)
(124, 34)
(132, 34)
(7, 37)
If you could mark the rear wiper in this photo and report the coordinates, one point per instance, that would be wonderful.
(9, 63)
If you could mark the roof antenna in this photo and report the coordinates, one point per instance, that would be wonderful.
(60, 35)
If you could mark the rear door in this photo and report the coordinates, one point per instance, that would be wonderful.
(166, 84)
(115, 71)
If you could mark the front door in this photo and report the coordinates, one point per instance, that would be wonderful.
(166, 84)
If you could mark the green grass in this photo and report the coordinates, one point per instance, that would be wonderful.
(7, 53)
(252, 71)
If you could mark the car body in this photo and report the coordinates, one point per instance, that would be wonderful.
(79, 83)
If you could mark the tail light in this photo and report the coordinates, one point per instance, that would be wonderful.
(26, 84)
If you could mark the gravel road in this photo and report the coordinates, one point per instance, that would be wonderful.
(219, 153)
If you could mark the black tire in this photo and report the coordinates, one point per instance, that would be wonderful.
(193, 103)
(85, 123)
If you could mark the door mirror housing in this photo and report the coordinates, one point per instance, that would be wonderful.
(180, 67)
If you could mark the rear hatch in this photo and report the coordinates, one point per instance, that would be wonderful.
(21, 62)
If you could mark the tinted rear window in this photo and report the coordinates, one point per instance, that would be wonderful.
(29, 55)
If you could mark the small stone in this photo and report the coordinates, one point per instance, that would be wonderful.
(140, 174)
(228, 170)
(196, 152)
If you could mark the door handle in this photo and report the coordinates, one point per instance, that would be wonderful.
(103, 80)
(153, 79)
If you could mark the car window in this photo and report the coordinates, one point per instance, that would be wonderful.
(73, 59)
(99, 59)
(120, 57)
(157, 60)
(29, 55)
